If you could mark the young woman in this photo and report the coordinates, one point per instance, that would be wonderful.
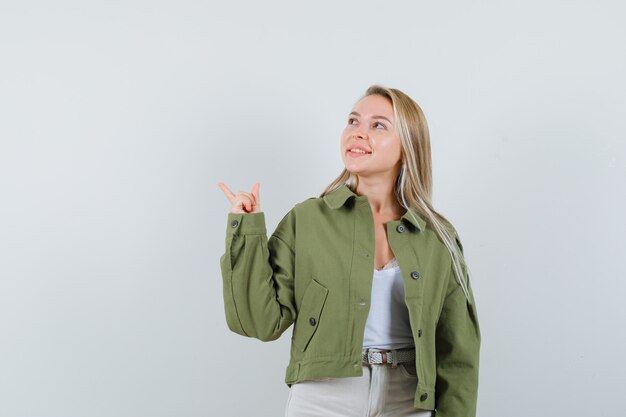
(370, 275)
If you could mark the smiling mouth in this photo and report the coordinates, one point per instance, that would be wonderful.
(357, 154)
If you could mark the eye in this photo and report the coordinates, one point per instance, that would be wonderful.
(379, 123)
(350, 120)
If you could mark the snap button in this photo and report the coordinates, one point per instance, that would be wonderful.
(415, 275)
(234, 223)
(400, 228)
(424, 396)
(312, 321)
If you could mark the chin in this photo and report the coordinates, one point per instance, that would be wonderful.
(354, 171)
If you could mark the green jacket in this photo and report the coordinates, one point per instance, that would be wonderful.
(316, 272)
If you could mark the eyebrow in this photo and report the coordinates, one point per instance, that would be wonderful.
(373, 117)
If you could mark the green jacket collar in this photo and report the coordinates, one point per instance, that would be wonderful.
(338, 197)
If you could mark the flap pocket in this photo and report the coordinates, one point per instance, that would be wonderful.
(309, 314)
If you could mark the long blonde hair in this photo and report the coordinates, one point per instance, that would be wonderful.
(413, 185)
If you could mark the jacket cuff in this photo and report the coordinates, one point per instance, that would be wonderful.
(246, 224)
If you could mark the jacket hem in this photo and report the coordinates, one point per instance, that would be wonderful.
(299, 371)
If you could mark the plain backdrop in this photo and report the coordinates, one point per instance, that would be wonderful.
(119, 118)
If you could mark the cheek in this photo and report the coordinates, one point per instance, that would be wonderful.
(343, 140)
(345, 137)
(391, 146)
(390, 152)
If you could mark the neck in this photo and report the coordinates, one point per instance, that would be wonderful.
(381, 196)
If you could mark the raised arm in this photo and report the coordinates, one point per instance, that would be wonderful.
(258, 275)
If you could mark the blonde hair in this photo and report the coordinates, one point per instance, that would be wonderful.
(413, 185)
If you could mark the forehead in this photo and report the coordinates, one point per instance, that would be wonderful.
(374, 105)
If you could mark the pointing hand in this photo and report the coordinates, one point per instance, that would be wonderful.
(243, 202)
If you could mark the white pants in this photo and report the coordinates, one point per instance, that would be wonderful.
(382, 391)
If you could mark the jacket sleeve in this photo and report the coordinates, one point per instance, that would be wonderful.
(258, 275)
(457, 348)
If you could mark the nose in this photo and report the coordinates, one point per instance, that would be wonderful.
(360, 132)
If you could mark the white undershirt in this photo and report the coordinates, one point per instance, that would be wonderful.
(388, 325)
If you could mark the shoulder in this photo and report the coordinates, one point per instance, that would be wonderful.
(452, 231)
(301, 209)
(447, 224)
(300, 218)
(309, 205)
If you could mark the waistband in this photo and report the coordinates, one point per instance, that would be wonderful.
(374, 356)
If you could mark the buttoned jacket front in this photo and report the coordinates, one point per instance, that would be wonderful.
(315, 271)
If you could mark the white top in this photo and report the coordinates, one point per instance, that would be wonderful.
(388, 325)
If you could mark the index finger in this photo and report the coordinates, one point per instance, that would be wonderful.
(226, 191)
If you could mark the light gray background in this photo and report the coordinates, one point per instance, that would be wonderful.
(118, 119)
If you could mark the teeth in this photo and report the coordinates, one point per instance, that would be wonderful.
(357, 150)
